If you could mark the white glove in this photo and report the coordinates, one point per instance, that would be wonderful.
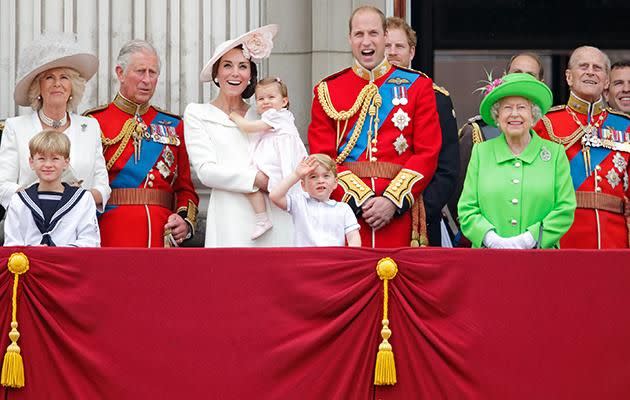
(522, 241)
(493, 241)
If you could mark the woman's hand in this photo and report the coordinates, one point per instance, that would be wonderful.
(261, 181)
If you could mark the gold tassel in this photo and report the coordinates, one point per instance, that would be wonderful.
(13, 365)
(385, 370)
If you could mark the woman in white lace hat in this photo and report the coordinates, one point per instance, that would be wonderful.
(52, 74)
(219, 151)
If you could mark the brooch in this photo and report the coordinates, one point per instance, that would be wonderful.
(545, 154)
(83, 127)
(401, 119)
(401, 144)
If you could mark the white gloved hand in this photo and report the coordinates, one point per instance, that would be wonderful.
(523, 241)
(493, 241)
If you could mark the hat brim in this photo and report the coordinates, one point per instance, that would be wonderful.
(206, 72)
(517, 85)
(86, 65)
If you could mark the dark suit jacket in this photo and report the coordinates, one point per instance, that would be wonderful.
(442, 185)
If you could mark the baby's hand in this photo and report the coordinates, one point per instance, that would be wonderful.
(306, 166)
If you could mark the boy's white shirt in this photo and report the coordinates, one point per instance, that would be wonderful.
(78, 228)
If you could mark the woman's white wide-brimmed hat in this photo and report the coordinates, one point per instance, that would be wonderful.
(48, 52)
(257, 44)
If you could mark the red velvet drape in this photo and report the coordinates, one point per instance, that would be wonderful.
(305, 324)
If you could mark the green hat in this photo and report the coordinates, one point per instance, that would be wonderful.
(517, 84)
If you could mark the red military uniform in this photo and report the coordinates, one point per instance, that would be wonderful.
(597, 143)
(385, 137)
(149, 173)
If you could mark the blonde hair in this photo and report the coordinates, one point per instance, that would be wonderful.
(50, 142)
(274, 80)
(326, 162)
(78, 87)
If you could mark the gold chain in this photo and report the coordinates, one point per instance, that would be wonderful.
(572, 138)
(363, 101)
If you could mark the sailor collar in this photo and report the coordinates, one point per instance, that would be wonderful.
(329, 202)
(378, 71)
(584, 107)
(129, 106)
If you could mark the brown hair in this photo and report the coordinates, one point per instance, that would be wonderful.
(536, 57)
(620, 64)
(326, 162)
(367, 8)
(253, 79)
(275, 81)
(50, 142)
(399, 23)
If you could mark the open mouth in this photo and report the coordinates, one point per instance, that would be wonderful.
(367, 53)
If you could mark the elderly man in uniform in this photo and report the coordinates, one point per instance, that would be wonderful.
(477, 131)
(379, 122)
(597, 143)
(618, 92)
(153, 202)
(400, 48)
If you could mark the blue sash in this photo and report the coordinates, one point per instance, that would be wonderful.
(132, 174)
(386, 92)
(598, 154)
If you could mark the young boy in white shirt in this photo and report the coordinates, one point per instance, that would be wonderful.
(318, 220)
(51, 213)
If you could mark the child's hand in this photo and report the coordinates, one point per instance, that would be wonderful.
(306, 166)
(233, 115)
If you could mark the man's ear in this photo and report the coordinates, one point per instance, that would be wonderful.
(412, 53)
(120, 73)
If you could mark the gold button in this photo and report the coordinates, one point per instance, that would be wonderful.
(514, 201)
(374, 150)
(151, 176)
(598, 168)
(514, 222)
(150, 184)
(598, 189)
(598, 178)
(515, 181)
(517, 164)
(373, 159)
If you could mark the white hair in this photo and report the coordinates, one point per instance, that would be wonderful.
(571, 63)
(132, 47)
(536, 112)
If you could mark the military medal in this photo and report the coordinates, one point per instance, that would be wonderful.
(395, 98)
(399, 95)
(545, 154)
(401, 119)
(401, 144)
(163, 168)
(168, 156)
(403, 96)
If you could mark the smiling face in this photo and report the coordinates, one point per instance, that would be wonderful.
(618, 93)
(233, 73)
(367, 38)
(139, 79)
(268, 97)
(515, 116)
(48, 167)
(55, 87)
(587, 75)
(320, 183)
(397, 48)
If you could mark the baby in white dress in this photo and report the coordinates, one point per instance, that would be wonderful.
(278, 150)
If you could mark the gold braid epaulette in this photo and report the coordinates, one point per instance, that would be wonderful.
(363, 101)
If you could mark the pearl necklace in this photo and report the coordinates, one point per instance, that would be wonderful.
(53, 122)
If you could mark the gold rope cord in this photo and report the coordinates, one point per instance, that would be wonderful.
(130, 129)
(363, 101)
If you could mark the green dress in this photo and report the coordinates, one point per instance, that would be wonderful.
(513, 194)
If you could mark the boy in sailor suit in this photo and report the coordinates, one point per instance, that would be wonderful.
(51, 213)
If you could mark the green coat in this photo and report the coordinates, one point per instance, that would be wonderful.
(513, 194)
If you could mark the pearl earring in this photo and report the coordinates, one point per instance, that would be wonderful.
(216, 80)
(249, 82)
(39, 97)
(70, 98)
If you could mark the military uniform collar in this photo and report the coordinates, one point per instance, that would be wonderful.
(378, 71)
(503, 153)
(584, 107)
(129, 106)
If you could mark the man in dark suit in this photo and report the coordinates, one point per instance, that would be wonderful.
(400, 49)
